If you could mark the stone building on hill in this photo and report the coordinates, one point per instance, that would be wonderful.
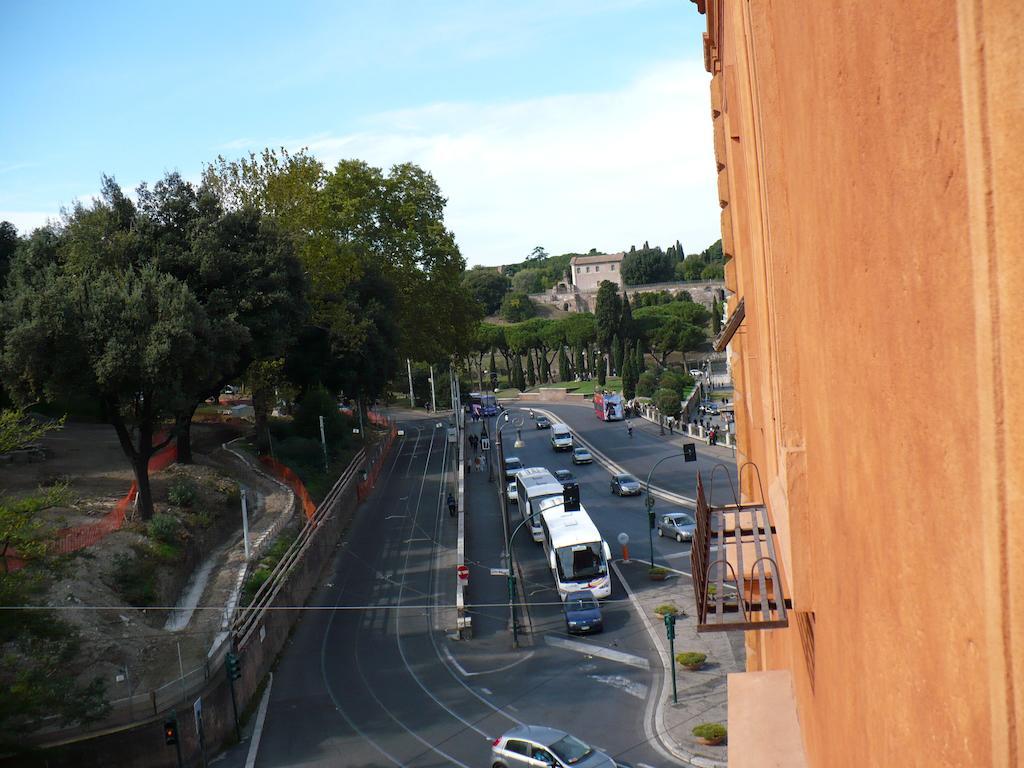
(587, 272)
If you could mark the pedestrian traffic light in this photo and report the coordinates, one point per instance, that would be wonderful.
(650, 518)
(170, 732)
(234, 665)
(689, 452)
(670, 626)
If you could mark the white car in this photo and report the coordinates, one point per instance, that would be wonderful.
(510, 493)
(696, 372)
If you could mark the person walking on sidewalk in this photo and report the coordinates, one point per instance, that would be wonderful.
(452, 506)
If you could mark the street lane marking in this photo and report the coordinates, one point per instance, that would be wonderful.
(637, 690)
(599, 651)
(261, 716)
(462, 670)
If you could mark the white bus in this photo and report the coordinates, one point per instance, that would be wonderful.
(533, 486)
(577, 555)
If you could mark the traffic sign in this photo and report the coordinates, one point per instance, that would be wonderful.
(499, 571)
(463, 573)
(689, 452)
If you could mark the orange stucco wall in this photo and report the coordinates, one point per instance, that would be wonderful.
(872, 181)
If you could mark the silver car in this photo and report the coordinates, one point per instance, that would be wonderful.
(537, 746)
(625, 484)
(679, 525)
(512, 494)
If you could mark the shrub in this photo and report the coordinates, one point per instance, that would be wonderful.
(710, 731)
(298, 452)
(667, 608)
(677, 382)
(317, 403)
(253, 583)
(165, 552)
(657, 570)
(646, 384)
(691, 658)
(668, 402)
(182, 492)
(165, 528)
(135, 578)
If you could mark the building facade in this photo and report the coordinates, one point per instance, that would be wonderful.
(587, 272)
(862, 145)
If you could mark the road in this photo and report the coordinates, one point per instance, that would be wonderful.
(372, 678)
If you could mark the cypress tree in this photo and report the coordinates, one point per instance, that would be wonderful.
(602, 368)
(563, 365)
(629, 378)
(626, 330)
(579, 361)
(616, 355)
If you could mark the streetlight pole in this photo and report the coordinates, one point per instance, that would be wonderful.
(518, 423)
(649, 501)
(512, 579)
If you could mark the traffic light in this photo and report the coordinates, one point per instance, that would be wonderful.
(234, 665)
(170, 732)
(650, 519)
(670, 626)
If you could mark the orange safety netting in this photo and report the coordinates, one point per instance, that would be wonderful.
(292, 480)
(82, 536)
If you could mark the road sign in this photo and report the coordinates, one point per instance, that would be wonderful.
(689, 452)
(463, 573)
(499, 571)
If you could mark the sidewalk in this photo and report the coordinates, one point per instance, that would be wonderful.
(701, 694)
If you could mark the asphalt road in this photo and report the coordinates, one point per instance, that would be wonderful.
(372, 678)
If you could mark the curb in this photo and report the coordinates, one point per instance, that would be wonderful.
(654, 722)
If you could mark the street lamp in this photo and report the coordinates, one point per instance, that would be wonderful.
(649, 501)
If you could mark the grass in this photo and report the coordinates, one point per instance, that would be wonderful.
(267, 563)
(584, 387)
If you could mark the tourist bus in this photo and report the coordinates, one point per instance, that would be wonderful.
(608, 406)
(576, 553)
(534, 485)
(483, 404)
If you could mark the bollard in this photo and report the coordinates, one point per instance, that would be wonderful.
(625, 553)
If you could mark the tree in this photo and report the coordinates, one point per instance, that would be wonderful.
(517, 307)
(649, 265)
(608, 312)
(626, 330)
(9, 242)
(579, 364)
(629, 378)
(18, 429)
(488, 287)
(672, 334)
(537, 254)
(563, 365)
(716, 318)
(638, 358)
(712, 272)
(602, 369)
(668, 402)
(646, 384)
(617, 355)
(528, 281)
(691, 268)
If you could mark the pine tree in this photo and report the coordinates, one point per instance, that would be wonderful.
(616, 355)
(629, 376)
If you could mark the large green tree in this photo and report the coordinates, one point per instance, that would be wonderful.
(516, 307)
(607, 313)
(488, 287)
(648, 265)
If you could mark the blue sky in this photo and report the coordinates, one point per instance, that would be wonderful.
(571, 124)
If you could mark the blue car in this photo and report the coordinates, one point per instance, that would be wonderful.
(582, 613)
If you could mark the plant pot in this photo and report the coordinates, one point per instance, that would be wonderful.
(710, 742)
(657, 576)
(693, 667)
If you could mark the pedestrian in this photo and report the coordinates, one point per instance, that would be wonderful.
(670, 426)
(452, 506)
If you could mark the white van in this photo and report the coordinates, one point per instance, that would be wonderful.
(561, 437)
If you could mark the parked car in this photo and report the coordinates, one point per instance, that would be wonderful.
(565, 477)
(543, 422)
(511, 494)
(707, 406)
(535, 745)
(696, 373)
(625, 485)
(230, 389)
(581, 455)
(512, 465)
(679, 525)
(582, 613)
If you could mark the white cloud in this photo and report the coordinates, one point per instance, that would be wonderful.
(26, 221)
(573, 172)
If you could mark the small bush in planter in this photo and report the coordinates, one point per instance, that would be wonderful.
(691, 659)
(667, 608)
(182, 492)
(657, 573)
(712, 733)
(164, 528)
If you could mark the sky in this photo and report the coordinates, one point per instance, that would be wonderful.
(568, 124)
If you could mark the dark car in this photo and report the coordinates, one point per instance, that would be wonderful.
(565, 477)
(582, 613)
(625, 485)
(543, 422)
(535, 745)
